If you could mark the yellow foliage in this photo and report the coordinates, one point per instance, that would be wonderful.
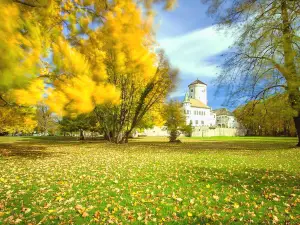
(32, 95)
(68, 59)
(79, 95)
(17, 119)
(81, 73)
(128, 38)
(22, 50)
(156, 116)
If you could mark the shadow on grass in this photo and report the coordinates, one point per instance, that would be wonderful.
(215, 145)
(35, 147)
(55, 140)
(38, 147)
(253, 180)
(25, 151)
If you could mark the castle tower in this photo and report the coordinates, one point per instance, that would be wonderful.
(198, 90)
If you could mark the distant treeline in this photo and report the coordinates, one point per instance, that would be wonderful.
(268, 117)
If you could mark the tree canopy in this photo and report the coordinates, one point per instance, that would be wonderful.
(84, 55)
(265, 58)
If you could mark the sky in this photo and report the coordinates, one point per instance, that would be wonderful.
(194, 45)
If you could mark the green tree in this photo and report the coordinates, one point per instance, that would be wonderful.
(265, 58)
(188, 130)
(80, 123)
(47, 122)
(175, 119)
(267, 117)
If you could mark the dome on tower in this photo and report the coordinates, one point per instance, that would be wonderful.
(197, 82)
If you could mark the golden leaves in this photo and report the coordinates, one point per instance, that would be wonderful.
(69, 60)
(32, 95)
(79, 95)
(80, 70)
(22, 50)
(128, 37)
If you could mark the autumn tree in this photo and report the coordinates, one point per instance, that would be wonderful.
(47, 122)
(53, 31)
(138, 99)
(267, 117)
(79, 123)
(17, 120)
(175, 119)
(265, 58)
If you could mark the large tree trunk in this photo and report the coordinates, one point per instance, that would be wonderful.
(126, 137)
(290, 74)
(297, 125)
(81, 137)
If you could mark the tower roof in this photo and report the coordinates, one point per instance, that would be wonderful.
(197, 82)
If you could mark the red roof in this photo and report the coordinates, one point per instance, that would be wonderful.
(197, 82)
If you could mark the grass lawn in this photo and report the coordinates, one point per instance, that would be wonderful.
(201, 181)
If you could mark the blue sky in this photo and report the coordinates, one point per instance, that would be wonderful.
(193, 44)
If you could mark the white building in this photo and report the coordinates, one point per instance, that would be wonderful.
(205, 121)
(197, 112)
(225, 118)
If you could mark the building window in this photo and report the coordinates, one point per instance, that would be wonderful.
(202, 122)
(191, 90)
(196, 121)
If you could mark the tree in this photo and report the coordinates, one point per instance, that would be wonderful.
(175, 119)
(265, 58)
(267, 117)
(81, 123)
(188, 129)
(137, 99)
(47, 122)
(142, 77)
(83, 54)
(52, 31)
(17, 120)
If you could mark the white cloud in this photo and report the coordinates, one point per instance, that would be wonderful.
(190, 53)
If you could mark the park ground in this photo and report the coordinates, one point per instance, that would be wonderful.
(239, 180)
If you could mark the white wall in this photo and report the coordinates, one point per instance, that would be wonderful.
(198, 132)
(199, 116)
(207, 132)
(199, 92)
(226, 121)
(156, 131)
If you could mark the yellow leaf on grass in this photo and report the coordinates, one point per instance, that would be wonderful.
(85, 214)
(236, 205)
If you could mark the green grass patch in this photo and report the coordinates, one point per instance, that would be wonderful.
(57, 180)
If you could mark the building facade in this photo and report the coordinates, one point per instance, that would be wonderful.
(205, 121)
(225, 118)
(196, 110)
